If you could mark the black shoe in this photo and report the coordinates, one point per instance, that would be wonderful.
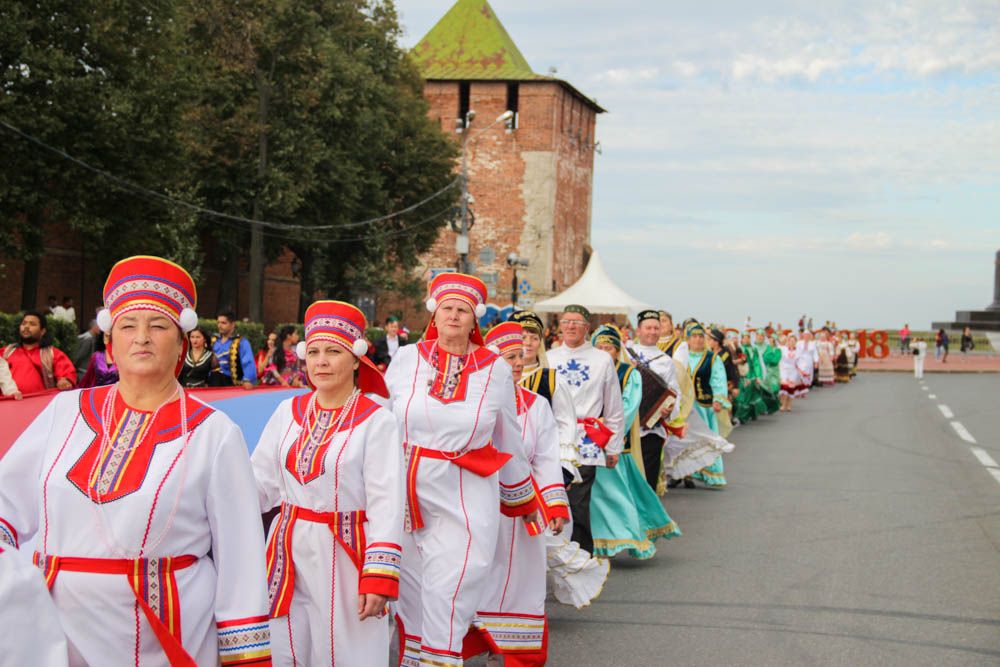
(673, 484)
(688, 483)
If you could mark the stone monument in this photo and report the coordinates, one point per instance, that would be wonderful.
(987, 319)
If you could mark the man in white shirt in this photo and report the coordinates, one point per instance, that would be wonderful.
(646, 351)
(66, 311)
(590, 376)
(386, 348)
(919, 350)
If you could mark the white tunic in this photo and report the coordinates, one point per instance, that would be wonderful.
(512, 614)
(662, 365)
(355, 469)
(446, 562)
(30, 622)
(148, 496)
(593, 383)
(565, 415)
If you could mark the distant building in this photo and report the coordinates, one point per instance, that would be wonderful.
(532, 177)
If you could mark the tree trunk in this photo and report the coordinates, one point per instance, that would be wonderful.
(256, 232)
(229, 283)
(29, 284)
(306, 281)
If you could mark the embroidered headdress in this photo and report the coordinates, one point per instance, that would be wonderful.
(607, 334)
(505, 337)
(694, 329)
(344, 325)
(648, 315)
(463, 287)
(149, 283)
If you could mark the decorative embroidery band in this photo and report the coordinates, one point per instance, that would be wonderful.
(439, 657)
(457, 290)
(245, 641)
(512, 632)
(451, 378)
(382, 559)
(517, 494)
(154, 290)
(128, 434)
(280, 575)
(313, 441)
(411, 652)
(153, 581)
(8, 535)
(555, 496)
(49, 565)
(339, 326)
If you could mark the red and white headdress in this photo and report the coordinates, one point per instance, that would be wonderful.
(343, 324)
(463, 287)
(505, 337)
(149, 283)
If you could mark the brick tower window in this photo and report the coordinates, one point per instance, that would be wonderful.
(512, 99)
(463, 104)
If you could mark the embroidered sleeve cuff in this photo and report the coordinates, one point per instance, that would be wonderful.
(8, 535)
(245, 641)
(518, 499)
(380, 572)
(556, 501)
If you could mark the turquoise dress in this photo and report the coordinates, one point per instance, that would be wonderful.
(713, 475)
(625, 514)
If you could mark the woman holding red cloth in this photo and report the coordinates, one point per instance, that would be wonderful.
(332, 461)
(455, 404)
(126, 488)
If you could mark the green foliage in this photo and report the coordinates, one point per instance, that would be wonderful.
(252, 331)
(62, 333)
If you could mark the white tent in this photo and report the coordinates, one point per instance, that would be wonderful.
(595, 291)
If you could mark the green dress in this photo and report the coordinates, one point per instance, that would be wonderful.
(765, 400)
(625, 514)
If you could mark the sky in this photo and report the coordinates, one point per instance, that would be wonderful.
(774, 158)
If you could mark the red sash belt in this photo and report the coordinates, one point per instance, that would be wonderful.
(347, 527)
(483, 462)
(152, 582)
(595, 429)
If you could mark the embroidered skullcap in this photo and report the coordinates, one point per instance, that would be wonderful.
(578, 309)
(607, 334)
(694, 329)
(344, 325)
(648, 315)
(505, 337)
(528, 321)
(144, 282)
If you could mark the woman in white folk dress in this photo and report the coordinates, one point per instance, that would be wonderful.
(454, 401)
(127, 487)
(332, 461)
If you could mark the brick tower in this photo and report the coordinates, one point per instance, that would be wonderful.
(530, 177)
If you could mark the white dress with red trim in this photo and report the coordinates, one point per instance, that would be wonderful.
(464, 449)
(337, 477)
(123, 507)
(32, 634)
(511, 618)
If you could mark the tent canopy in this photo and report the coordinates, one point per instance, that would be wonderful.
(594, 290)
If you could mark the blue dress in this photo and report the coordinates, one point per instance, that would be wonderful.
(625, 514)
(713, 475)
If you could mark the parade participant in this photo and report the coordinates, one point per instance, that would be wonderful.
(597, 398)
(842, 361)
(539, 378)
(515, 596)
(669, 338)
(759, 355)
(855, 347)
(625, 513)
(795, 372)
(807, 359)
(918, 348)
(772, 361)
(825, 356)
(332, 461)
(649, 351)
(126, 489)
(710, 394)
(236, 360)
(100, 370)
(454, 401)
(743, 410)
(575, 577)
(201, 368)
(32, 635)
(37, 365)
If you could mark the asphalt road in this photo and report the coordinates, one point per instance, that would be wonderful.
(861, 529)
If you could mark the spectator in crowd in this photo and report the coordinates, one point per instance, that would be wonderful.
(386, 348)
(101, 370)
(35, 364)
(85, 345)
(967, 343)
(201, 368)
(66, 311)
(7, 385)
(236, 359)
(941, 342)
(286, 368)
(53, 304)
(265, 353)
(904, 339)
(919, 350)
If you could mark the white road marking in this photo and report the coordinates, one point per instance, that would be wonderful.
(963, 432)
(932, 396)
(984, 457)
(996, 473)
(923, 387)
(946, 411)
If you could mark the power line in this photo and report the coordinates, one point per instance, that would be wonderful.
(139, 190)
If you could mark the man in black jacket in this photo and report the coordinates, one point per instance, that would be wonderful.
(386, 348)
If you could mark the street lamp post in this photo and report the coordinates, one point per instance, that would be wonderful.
(462, 241)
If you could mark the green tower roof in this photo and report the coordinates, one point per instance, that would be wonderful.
(469, 42)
